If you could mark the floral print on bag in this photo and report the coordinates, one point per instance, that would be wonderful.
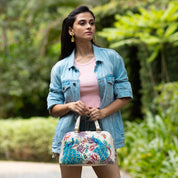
(88, 148)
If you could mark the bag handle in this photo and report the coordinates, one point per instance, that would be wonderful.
(76, 129)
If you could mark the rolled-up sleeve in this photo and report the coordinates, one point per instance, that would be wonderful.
(122, 87)
(55, 95)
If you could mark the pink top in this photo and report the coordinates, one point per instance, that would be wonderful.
(89, 90)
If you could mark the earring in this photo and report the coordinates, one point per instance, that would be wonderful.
(72, 39)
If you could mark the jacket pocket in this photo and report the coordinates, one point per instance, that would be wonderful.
(65, 85)
(110, 88)
(66, 88)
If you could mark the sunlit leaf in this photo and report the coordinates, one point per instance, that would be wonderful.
(154, 54)
(171, 29)
(130, 41)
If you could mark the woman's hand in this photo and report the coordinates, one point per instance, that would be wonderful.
(115, 106)
(79, 107)
(82, 109)
(96, 113)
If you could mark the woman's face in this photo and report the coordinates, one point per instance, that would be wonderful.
(83, 27)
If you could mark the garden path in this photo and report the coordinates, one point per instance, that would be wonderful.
(12, 169)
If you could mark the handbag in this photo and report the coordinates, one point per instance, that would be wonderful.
(92, 148)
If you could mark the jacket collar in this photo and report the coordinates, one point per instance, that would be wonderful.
(97, 54)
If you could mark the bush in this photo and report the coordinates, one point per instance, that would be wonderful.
(152, 145)
(166, 103)
(151, 148)
(27, 140)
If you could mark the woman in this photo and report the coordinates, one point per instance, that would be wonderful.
(89, 81)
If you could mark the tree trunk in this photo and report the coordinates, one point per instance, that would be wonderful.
(164, 72)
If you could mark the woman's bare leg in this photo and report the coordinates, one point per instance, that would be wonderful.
(109, 171)
(71, 171)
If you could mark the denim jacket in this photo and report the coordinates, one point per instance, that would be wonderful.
(113, 83)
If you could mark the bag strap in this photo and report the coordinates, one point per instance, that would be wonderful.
(77, 125)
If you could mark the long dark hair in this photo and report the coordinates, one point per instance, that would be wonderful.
(66, 45)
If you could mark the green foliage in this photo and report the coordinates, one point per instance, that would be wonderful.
(152, 31)
(152, 145)
(152, 27)
(166, 104)
(151, 148)
(24, 80)
(29, 36)
(28, 140)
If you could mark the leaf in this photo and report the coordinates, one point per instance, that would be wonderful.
(149, 40)
(144, 12)
(174, 38)
(172, 8)
(171, 29)
(154, 54)
(130, 41)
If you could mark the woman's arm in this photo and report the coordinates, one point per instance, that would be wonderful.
(115, 106)
(61, 109)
